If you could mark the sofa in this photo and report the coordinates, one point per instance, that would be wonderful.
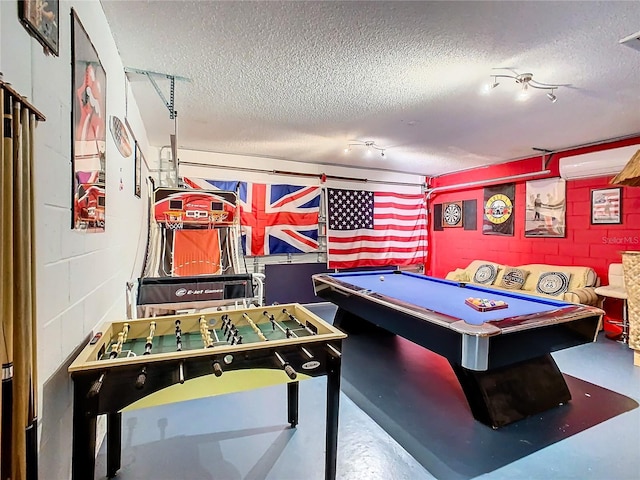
(568, 283)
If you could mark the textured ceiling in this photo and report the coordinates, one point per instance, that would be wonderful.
(300, 80)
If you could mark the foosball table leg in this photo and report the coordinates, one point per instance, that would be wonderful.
(333, 405)
(114, 436)
(293, 389)
(84, 433)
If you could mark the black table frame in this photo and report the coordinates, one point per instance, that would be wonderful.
(118, 391)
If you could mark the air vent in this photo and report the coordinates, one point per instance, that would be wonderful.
(632, 41)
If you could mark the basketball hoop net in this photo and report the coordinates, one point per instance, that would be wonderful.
(173, 219)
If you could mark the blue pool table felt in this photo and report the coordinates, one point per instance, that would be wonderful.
(447, 297)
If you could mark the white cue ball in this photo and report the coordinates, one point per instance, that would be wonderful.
(381, 278)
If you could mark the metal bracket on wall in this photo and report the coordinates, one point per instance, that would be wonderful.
(152, 76)
(545, 160)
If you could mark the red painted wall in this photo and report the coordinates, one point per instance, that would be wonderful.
(592, 245)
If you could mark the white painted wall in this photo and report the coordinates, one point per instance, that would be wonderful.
(81, 277)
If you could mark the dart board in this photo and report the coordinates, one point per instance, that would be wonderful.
(452, 214)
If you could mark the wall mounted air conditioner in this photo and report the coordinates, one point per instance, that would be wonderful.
(597, 164)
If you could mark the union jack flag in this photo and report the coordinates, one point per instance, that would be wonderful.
(276, 219)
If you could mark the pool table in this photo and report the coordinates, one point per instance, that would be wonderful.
(501, 357)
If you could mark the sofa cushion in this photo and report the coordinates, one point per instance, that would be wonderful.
(513, 278)
(553, 283)
(582, 280)
(458, 275)
(580, 276)
(485, 274)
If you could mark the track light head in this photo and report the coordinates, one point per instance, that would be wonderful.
(552, 97)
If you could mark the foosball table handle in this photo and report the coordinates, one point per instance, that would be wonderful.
(142, 378)
(97, 385)
(217, 369)
(288, 369)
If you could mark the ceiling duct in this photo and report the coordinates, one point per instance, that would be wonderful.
(596, 164)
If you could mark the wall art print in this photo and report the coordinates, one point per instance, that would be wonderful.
(546, 208)
(606, 206)
(41, 19)
(89, 126)
(499, 204)
(120, 136)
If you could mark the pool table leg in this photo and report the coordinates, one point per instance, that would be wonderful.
(504, 395)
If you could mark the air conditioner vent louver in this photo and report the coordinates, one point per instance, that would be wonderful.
(597, 164)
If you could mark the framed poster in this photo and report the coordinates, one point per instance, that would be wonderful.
(499, 203)
(88, 130)
(40, 18)
(137, 170)
(546, 207)
(452, 214)
(606, 206)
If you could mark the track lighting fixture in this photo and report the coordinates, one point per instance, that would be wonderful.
(525, 80)
(369, 145)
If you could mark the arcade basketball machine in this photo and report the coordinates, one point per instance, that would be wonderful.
(193, 258)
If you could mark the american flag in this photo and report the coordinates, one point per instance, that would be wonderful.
(369, 229)
(276, 219)
(606, 205)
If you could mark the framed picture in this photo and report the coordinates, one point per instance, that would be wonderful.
(606, 206)
(499, 204)
(137, 170)
(88, 131)
(41, 19)
(546, 208)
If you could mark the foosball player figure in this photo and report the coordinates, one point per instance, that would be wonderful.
(178, 336)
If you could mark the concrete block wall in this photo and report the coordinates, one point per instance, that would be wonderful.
(81, 277)
(596, 246)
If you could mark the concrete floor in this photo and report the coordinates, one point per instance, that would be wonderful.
(411, 425)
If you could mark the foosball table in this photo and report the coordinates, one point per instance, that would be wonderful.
(128, 360)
